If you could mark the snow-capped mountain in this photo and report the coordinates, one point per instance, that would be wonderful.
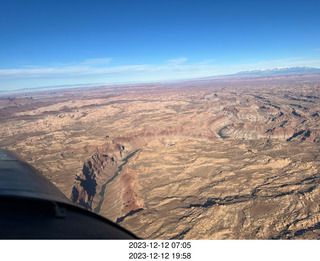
(279, 71)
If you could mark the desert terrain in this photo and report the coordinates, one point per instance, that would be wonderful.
(215, 158)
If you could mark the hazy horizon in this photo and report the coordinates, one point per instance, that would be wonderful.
(86, 85)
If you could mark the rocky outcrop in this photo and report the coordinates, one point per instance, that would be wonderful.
(96, 169)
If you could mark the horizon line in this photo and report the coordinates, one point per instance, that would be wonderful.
(241, 74)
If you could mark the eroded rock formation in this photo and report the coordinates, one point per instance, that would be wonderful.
(97, 169)
(209, 159)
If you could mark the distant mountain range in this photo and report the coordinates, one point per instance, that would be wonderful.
(281, 71)
(277, 72)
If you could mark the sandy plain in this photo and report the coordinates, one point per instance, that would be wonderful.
(203, 159)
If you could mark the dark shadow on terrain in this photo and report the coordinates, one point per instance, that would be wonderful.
(220, 133)
(120, 219)
(181, 235)
(295, 135)
(88, 184)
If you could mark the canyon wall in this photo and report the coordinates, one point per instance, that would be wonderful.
(213, 159)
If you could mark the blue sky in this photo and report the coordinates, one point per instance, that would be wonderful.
(63, 42)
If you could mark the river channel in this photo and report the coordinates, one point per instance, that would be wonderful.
(103, 187)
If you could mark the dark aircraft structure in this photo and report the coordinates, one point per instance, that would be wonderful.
(31, 207)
